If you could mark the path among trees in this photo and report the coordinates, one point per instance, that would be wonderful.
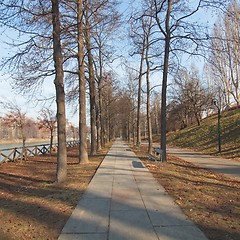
(124, 201)
(228, 167)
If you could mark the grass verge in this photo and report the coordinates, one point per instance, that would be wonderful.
(32, 205)
(204, 138)
(209, 199)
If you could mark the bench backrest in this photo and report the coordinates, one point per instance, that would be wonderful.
(158, 150)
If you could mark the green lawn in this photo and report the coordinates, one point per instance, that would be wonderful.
(204, 138)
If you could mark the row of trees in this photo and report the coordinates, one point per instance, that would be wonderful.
(163, 32)
(224, 60)
(67, 40)
(15, 124)
(188, 102)
(73, 41)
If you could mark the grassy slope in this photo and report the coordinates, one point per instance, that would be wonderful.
(204, 138)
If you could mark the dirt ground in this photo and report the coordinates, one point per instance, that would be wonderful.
(210, 199)
(32, 204)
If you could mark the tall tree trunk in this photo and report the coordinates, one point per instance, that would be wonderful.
(60, 94)
(51, 141)
(139, 99)
(83, 155)
(132, 122)
(108, 122)
(129, 129)
(98, 119)
(104, 108)
(164, 84)
(100, 128)
(149, 123)
(133, 126)
(92, 88)
(100, 104)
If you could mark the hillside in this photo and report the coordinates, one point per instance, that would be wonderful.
(204, 138)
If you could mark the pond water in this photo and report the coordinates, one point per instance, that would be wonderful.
(14, 145)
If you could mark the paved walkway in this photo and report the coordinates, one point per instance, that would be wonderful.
(228, 167)
(124, 202)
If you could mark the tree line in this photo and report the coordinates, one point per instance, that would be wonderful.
(74, 43)
(166, 33)
(67, 41)
(16, 125)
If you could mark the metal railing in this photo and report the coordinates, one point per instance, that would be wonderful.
(13, 154)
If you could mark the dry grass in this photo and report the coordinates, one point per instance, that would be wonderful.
(32, 205)
(210, 199)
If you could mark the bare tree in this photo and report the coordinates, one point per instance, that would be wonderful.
(155, 112)
(101, 20)
(224, 55)
(17, 119)
(38, 25)
(148, 26)
(95, 19)
(132, 91)
(105, 25)
(91, 80)
(144, 43)
(179, 34)
(109, 113)
(190, 95)
(83, 156)
(30, 61)
(48, 121)
(139, 41)
(60, 94)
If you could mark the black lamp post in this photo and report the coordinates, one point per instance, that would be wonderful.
(219, 126)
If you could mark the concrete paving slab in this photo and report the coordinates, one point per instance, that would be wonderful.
(134, 225)
(125, 192)
(106, 167)
(167, 217)
(159, 200)
(90, 216)
(105, 170)
(149, 187)
(99, 236)
(127, 205)
(180, 233)
(122, 170)
(124, 202)
(124, 179)
(99, 190)
(146, 180)
(119, 175)
(158, 193)
(143, 175)
(109, 161)
(103, 178)
(124, 184)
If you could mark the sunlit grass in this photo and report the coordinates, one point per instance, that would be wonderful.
(205, 137)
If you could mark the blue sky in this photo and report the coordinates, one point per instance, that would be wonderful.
(32, 110)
